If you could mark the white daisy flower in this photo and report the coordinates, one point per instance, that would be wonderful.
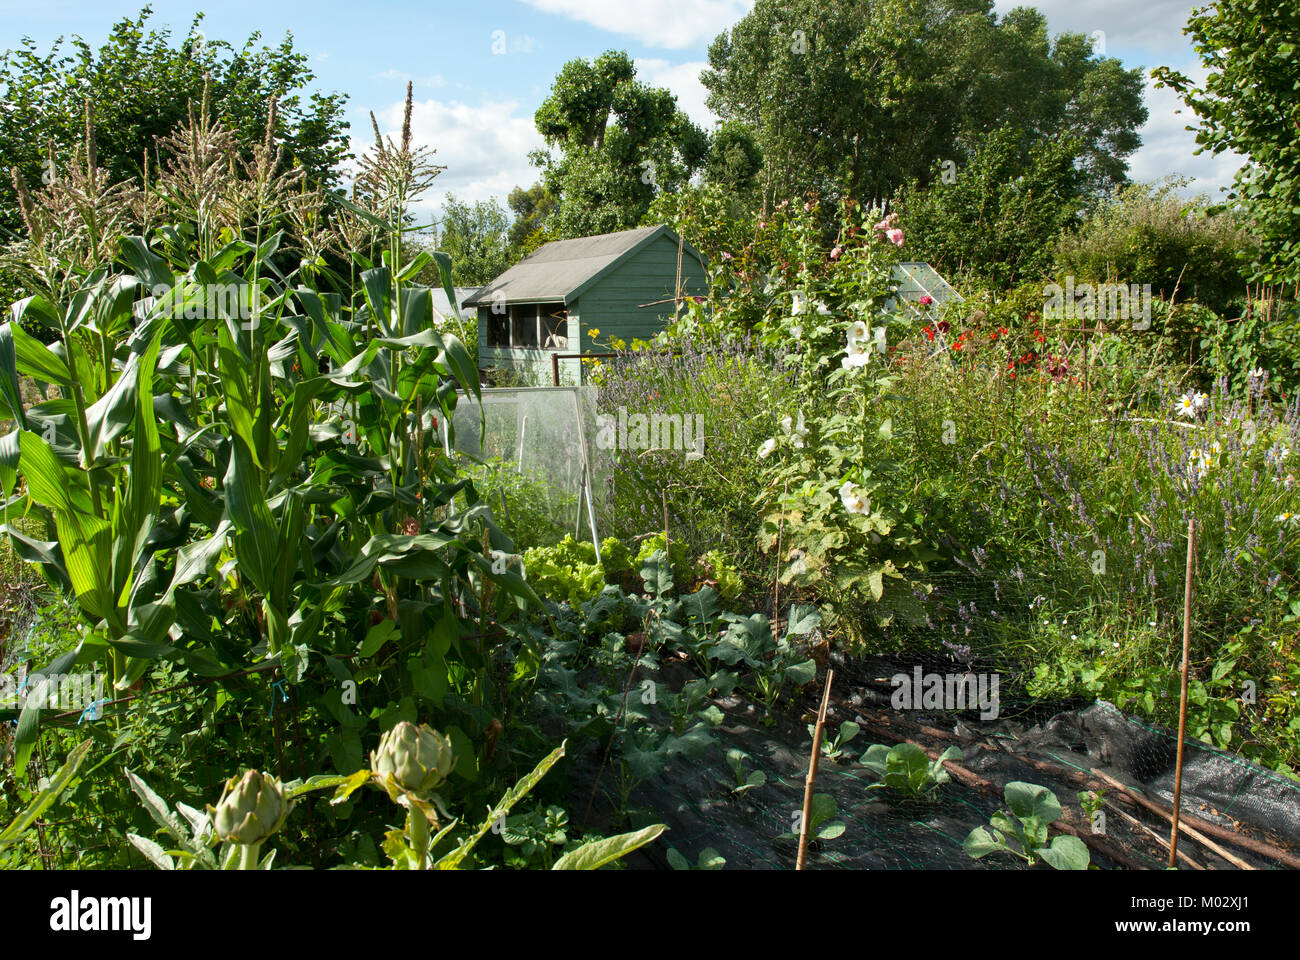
(1186, 406)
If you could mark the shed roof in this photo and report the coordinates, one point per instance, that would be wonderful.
(558, 271)
(442, 308)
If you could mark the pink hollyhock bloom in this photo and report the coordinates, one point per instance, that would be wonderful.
(835, 254)
(895, 236)
(725, 255)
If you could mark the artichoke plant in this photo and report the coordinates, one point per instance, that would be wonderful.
(251, 809)
(412, 760)
(410, 764)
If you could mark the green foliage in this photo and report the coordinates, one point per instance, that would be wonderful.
(1147, 234)
(891, 85)
(1000, 216)
(1247, 104)
(475, 237)
(566, 572)
(1021, 830)
(907, 769)
(142, 84)
(617, 143)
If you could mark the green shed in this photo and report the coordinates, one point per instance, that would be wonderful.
(621, 284)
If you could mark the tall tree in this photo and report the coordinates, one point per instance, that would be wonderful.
(475, 235)
(614, 144)
(862, 96)
(1249, 104)
(531, 207)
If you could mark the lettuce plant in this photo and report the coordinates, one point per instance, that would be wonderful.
(1021, 830)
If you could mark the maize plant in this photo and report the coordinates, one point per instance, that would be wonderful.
(244, 456)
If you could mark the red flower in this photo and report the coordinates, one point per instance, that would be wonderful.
(929, 334)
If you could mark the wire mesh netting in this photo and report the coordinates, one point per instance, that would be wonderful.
(543, 433)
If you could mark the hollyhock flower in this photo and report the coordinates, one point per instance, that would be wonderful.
(858, 330)
(835, 254)
(895, 236)
(853, 500)
(796, 331)
(943, 326)
(766, 449)
(855, 355)
(799, 302)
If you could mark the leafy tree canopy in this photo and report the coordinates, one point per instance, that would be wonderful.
(614, 144)
(862, 96)
(1250, 103)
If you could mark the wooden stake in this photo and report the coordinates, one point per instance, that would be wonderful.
(812, 773)
(1182, 701)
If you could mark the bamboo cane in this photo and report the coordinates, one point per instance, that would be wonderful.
(812, 773)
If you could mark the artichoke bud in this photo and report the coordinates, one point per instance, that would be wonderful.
(412, 759)
(251, 809)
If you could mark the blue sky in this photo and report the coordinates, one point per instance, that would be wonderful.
(481, 68)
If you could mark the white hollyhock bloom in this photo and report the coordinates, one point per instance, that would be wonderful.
(858, 330)
(799, 302)
(787, 424)
(822, 309)
(852, 498)
(766, 449)
(878, 339)
(796, 331)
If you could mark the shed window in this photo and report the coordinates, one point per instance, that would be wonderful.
(555, 330)
(525, 322)
(498, 329)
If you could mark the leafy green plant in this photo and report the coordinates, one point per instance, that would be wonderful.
(736, 760)
(709, 859)
(1021, 831)
(46, 796)
(821, 822)
(834, 747)
(907, 768)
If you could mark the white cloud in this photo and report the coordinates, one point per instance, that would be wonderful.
(432, 80)
(484, 148)
(671, 24)
(683, 79)
(1168, 147)
(1153, 25)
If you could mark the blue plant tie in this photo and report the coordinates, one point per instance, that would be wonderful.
(284, 694)
(91, 712)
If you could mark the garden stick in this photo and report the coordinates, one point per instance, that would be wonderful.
(972, 779)
(1186, 825)
(812, 773)
(1195, 827)
(1129, 818)
(1182, 700)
